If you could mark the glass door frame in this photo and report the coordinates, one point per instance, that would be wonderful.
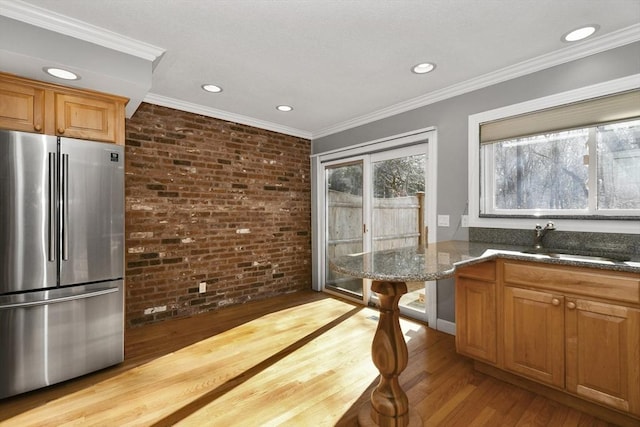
(430, 287)
(318, 224)
(366, 213)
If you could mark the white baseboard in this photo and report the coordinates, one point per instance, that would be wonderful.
(446, 326)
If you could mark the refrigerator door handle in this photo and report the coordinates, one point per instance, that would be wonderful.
(52, 207)
(64, 192)
(66, 298)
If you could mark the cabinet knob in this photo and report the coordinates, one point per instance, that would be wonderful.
(571, 305)
(555, 301)
(37, 127)
(60, 130)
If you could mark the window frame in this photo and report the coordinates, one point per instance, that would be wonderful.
(591, 211)
(586, 222)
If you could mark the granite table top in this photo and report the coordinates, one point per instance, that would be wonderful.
(440, 260)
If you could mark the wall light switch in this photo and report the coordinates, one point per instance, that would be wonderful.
(443, 220)
(203, 287)
(444, 258)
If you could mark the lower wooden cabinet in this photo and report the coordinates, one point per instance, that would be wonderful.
(534, 335)
(603, 353)
(476, 301)
(574, 329)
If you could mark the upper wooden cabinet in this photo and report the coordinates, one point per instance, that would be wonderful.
(21, 107)
(88, 117)
(32, 106)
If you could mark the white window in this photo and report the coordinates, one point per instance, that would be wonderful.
(591, 171)
(574, 157)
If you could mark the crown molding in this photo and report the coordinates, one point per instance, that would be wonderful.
(224, 115)
(571, 53)
(43, 18)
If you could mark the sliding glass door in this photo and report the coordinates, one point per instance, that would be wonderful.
(398, 185)
(345, 223)
(374, 202)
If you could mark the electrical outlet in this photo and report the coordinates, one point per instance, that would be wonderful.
(443, 220)
(464, 222)
(203, 287)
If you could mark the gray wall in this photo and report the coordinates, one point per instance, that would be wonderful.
(450, 117)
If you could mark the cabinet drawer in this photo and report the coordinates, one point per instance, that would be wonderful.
(583, 281)
(482, 271)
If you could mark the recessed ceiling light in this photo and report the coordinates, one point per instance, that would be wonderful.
(284, 108)
(60, 73)
(425, 67)
(580, 33)
(212, 88)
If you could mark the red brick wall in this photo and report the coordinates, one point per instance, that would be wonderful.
(216, 202)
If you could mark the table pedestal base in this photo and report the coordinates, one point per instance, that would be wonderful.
(365, 420)
(389, 406)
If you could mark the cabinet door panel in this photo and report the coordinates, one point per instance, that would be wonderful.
(534, 335)
(476, 319)
(603, 355)
(21, 107)
(86, 118)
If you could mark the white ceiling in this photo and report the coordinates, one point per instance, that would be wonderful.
(339, 63)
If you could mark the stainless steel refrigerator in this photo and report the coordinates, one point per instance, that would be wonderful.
(61, 259)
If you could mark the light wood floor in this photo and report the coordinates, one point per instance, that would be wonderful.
(298, 360)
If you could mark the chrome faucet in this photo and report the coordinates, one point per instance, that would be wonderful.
(540, 233)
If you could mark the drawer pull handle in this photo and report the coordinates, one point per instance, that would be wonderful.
(571, 305)
(555, 302)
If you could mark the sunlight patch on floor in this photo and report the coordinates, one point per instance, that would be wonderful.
(338, 359)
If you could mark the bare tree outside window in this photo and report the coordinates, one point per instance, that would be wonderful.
(399, 177)
(619, 165)
(542, 172)
(550, 172)
(346, 179)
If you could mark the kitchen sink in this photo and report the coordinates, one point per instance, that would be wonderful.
(576, 256)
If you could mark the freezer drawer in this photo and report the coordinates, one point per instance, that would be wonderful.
(51, 336)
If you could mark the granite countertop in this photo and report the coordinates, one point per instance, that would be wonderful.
(439, 260)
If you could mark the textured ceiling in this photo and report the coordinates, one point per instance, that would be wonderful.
(338, 62)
